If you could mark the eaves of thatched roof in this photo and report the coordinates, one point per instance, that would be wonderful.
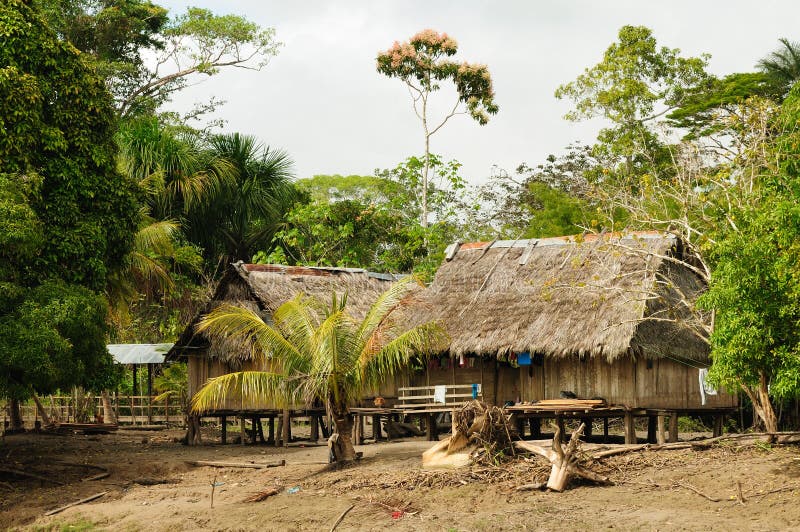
(589, 295)
(264, 287)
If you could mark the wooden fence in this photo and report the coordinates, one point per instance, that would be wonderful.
(130, 409)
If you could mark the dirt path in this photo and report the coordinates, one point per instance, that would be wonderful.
(656, 491)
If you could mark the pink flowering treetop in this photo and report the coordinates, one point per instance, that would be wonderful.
(423, 63)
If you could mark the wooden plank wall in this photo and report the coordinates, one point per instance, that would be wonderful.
(663, 383)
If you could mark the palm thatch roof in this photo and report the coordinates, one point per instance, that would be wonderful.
(589, 295)
(265, 287)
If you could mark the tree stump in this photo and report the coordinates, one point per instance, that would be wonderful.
(565, 462)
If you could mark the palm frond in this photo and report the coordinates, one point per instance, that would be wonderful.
(265, 342)
(253, 387)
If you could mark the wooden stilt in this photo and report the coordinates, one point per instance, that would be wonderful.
(314, 429)
(432, 432)
(260, 431)
(325, 430)
(278, 433)
(254, 434)
(560, 425)
(630, 428)
(359, 429)
(661, 436)
(673, 427)
(605, 430)
(536, 427)
(376, 427)
(719, 420)
(287, 427)
(520, 424)
(588, 422)
(651, 429)
(243, 430)
(271, 429)
(223, 423)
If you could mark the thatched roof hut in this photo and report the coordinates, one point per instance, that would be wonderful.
(588, 295)
(264, 287)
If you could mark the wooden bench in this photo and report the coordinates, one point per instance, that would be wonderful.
(419, 401)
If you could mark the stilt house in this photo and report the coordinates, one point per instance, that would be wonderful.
(598, 316)
(263, 288)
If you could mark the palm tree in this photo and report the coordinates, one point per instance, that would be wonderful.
(782, 66)
(318, 352)
(241, 215)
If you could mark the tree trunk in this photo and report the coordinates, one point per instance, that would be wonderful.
(341, 443)
(109, 416)
(42, 412)
(193, 430)
(15, 415)
(762, 406)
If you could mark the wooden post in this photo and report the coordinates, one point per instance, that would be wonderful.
(279, 432)
(560, 424)
(651, 429)
(719, 420)
(271, 428)
(166, 409)
(630, 428)
(359, 423)
(243, 430)
(133, 410)
(432, 432)
(150, 394)
(314, 428)
(260, 430)
(376, 427)
(223, 421)
(135, 382)
(536, 427)
(673, 427)
(519, 421)
(254, 434)
(496, 379)
(588, 422)
(661, 437)
(287, 428)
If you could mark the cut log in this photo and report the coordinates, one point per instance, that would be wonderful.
(565, 462)
(204, 463)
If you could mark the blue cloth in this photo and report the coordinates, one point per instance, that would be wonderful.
(524, 359)
(474, 391)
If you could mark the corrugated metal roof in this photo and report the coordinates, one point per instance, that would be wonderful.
(139, 353)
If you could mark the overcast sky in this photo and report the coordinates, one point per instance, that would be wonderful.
(322, 100)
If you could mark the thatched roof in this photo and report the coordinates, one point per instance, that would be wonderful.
(593, 295)
(265, 287)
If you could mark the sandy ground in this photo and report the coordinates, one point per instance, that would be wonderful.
(388, 490)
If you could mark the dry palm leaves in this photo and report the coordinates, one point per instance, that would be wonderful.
(481, 435)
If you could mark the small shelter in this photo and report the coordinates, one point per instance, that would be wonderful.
(136, 355)
(606, 316)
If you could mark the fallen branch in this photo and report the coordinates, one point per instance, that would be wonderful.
(20, 473)
(262, 495)
(341, 517)
(536, 486)
(204, 463)
(697, 491)
(99, 476)
(76, 503)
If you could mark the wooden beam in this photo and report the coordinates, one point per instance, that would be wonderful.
(223, 421)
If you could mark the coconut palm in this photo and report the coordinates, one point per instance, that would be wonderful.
(242, 215)
(317, 351)
(782, 66)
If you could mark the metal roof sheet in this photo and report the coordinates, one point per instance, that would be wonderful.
(139, 353)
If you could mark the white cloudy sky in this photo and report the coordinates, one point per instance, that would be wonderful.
(322, 100)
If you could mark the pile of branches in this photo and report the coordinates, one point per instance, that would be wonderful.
(487, 427)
